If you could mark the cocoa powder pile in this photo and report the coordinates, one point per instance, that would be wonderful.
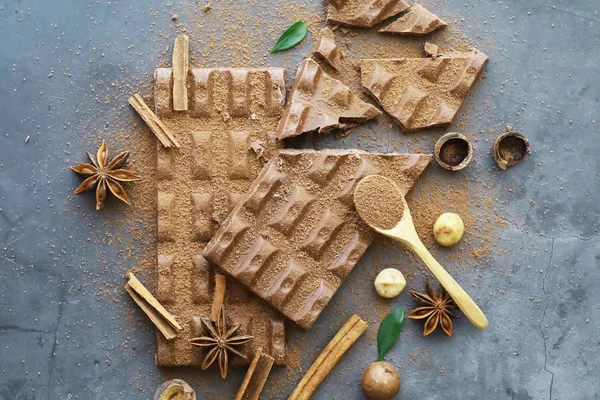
(379, 202)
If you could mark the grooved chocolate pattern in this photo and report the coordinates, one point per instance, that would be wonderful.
(320, 103)
(365, 13)
(422, 92)
(197, 186)
(295, 235)
(417, 21)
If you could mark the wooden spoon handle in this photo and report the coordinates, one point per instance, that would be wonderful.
(460, 297)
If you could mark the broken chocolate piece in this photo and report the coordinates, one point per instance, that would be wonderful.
(365, 13)
(422, 92)
(196, 188)
(320, 103)
(295, 235)
(259, 150)
(432, 50)
(417, 21)
(327, 49)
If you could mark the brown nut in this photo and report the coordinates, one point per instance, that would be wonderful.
(453, 151)
(175, 389)
(510, 148)
(380, 381)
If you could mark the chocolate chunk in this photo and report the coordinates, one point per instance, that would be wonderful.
(295, 235)
(417, 21)
(431, 49)
(327, 49)
(422, 92)
(320, 103)
(365, 13)
(197, 186)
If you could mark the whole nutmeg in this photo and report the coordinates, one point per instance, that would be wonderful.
(389, 283)
(448, 229)
(380, 381)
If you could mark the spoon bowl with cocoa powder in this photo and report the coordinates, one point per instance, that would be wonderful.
(382, 206)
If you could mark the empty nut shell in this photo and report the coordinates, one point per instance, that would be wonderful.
(510, 148)
(453, 151)
(175, 389)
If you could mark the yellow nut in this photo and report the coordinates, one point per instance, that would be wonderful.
(389, 283)
(448, 229)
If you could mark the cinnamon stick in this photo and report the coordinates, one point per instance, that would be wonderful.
(329, 357)
(163, 320)
(219, 296)
(180, 73)
(255, 378)
(162, 133)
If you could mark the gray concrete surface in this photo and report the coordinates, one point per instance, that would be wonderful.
(68, 330)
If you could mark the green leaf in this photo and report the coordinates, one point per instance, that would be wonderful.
(291, 37)
(388, 332)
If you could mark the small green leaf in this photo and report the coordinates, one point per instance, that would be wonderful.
(388, 332)
(291, 37)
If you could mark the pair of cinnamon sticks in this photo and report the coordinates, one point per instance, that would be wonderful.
(180, 97)
(329, 357)
(323, 365)
(162, 319)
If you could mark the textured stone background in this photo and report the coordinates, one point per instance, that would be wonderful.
(67, 328)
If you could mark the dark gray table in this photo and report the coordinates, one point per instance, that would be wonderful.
(68, 329)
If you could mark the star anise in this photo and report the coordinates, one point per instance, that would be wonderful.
(220, 342)
(105, 174)
(436, 308)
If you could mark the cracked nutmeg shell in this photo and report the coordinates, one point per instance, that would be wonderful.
(510, 148)
(175, 389)
(453, 151)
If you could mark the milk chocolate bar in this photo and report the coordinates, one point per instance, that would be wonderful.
(422, 92)
(197, 186)
(365, 13)
(417, 21)
(295, 235)
(320, 103)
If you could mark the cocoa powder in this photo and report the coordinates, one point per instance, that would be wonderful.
(379, 202)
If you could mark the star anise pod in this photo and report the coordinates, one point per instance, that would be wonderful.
(220, 342)
(105, 174)
(435, 307)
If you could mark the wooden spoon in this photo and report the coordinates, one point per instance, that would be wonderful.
(367, 194)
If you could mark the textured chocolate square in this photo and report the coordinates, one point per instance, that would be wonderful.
(197, 186)
(422, 92)
(295, 235)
